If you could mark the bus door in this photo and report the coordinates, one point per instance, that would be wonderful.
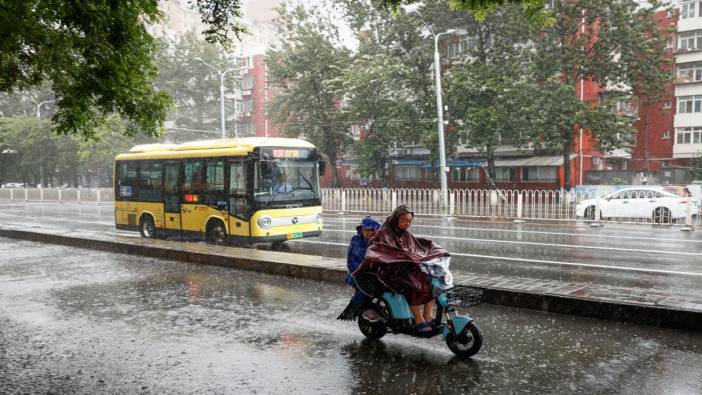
(193, 210)
(171, 195)
(239, 209)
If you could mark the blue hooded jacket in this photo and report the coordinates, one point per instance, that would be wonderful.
(358, 247)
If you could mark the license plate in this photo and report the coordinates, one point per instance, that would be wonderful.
(295, 235)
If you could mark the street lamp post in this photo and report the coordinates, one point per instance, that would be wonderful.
(221, 93)
(439, 112)
(440, 120)
(41, 104)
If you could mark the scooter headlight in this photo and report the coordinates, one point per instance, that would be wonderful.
(264, 222)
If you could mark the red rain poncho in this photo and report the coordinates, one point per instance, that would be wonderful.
(396, 256)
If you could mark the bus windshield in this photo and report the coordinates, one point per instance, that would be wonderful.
(281, 182)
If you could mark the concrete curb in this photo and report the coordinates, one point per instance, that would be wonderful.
(333, 270)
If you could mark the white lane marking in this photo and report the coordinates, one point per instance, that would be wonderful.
(541, 261)
(578, 246)
(542, 232)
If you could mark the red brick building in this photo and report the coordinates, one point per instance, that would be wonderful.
(251, 115)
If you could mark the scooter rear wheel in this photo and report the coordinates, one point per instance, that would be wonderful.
(372, 330)
(467, 343)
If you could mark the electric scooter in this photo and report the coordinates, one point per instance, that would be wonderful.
(386, 310)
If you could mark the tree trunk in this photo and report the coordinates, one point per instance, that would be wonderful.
(645, 143)
(566, 167)
(491, 169)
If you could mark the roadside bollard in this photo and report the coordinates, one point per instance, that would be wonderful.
(688, 217)
(519, 219)
(452, 205)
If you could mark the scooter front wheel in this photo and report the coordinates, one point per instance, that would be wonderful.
(467, 343)
(372, 329)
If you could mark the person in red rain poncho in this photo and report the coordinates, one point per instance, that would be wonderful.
(396, 256)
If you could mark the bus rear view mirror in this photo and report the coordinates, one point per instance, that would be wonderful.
(322, 167)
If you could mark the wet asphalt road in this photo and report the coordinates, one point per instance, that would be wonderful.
(642, 256)
(81, 321)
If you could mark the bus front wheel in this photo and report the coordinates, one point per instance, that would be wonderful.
(216, 233)
(147, 227)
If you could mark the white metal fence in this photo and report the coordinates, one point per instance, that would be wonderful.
(500, 204)
(58, 195)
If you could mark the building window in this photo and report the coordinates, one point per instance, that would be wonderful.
(690, 9)
(504, 174)
(539, 173)
(465, 174)
(247, 82)
(688, 135)
(689, 104)
(464, 44)
(667, 105)
(689, 72)
(406, 173)
(666, 135)
(353, 174)
(690, 41)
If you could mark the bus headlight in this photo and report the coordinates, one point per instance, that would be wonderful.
(264, 222)
(319, 218)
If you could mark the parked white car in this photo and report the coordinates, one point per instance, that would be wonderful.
(639, 202)
(13, 185)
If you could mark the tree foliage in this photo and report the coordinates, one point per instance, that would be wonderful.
(487, 91)
(387, 87)
(194, 86)
(96, 56)
(481, 9)
(308, 66)
(32, 153)
(617, 45)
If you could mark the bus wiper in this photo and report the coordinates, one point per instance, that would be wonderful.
(307, 181)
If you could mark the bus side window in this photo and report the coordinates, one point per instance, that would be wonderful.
(127, 188)
(150, 181)
(237, 190)
(214, 193)
(192, 182)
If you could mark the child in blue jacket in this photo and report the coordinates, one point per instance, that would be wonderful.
(355, 255)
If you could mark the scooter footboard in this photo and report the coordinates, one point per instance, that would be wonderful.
(398, 306)
(459, 323)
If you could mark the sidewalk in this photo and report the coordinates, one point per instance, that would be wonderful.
(629, 304)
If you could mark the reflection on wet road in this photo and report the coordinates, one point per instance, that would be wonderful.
(80, 321)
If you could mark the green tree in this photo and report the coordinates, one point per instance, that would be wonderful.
(388, 86)
(614, 44)
(97, 56)
(34, 148)
(193, 85)
(488, 90)
(97, 155)
(481, 9)
(308, 65)
(696, 168)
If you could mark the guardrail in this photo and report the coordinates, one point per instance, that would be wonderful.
(501, 204)
(58, 195)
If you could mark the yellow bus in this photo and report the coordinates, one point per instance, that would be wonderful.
(237, 191)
